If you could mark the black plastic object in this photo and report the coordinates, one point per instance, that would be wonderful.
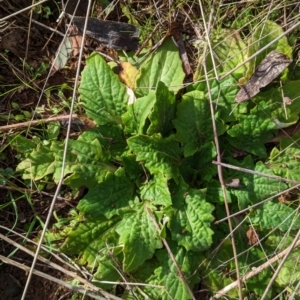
(115, 35)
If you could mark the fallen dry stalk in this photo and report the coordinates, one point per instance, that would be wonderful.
(55, 266)
(37, 122)
(49, 277)
(252, 273)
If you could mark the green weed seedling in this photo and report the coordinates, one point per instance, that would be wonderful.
(149, 174)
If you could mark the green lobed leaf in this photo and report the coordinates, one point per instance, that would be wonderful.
(215, 194)
(89, 238)
(103, 96)
(137, 114)
(216, 274)
(110, 196)
(22, 144)
(192, 123)
(53, 130)
(160, 155)
(156, 190)
(223, 93)
(254, 188)
(277, 215)
(278, 110)
(86, 163)
(190, 218)
(289, 274)
(198, 168)
(164, 65)
(134, 169)
(163, 111)
(109, 261)
(285, 161)
(166, 274)
(111, 138)
(38, 164)
(253, 131)
(139, 237)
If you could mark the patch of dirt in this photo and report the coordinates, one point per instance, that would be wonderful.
(13, 279)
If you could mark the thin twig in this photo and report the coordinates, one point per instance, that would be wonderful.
(180, 273)
(257, 204)
(47, 222)
(255, 172)
(23, 10)
(58, 268)
(207, 32)
(220, 171)
(38, 122)
(255, 271)
(295, 244)
(262, 49)
(31, 191)
(51, 278)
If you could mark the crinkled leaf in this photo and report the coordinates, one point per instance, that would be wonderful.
(199, 165)
(190, 218)
(109, 260)
(85, 162)
(193, 122)
(137, 113)
(103, 96)
(223, 93)
(164, 65)
(90, 237)
(112, 139)
(214, 193)
(156, 190)
(285, 162)
(108, 197)
(160, 155)
(277, 215)
(289, 274)
(163, 111)
(253, 131)
(166, 274)
(139, 236)
(134, 169)
(254, 188)
(38, 164)
(284, 113)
